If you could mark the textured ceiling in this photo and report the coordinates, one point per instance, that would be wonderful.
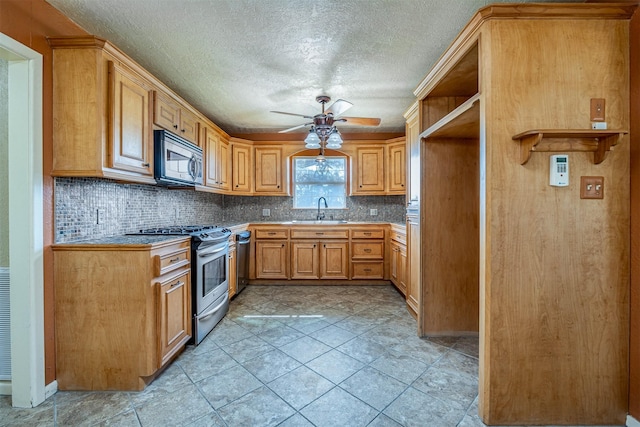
(235, 60)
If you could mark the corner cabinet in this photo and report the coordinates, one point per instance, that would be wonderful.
(123, 310)
(217, 160)
(102, 105)
(486, 209)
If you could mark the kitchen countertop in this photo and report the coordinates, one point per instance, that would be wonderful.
(125, 240)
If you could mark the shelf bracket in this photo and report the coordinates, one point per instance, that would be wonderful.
(600, 142)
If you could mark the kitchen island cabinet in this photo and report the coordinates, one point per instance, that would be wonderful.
(123, 310)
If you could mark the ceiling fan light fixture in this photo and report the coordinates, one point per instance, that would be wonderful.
(334, 140)
(312, 140)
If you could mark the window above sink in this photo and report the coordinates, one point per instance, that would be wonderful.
(313, 179)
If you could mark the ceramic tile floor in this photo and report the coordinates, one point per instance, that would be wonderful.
(294, 356)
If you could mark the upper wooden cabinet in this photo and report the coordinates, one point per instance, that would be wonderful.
(217, 154)
(413, 155)
(170, 114)
(241, 167)
(396, 166)
(368, 171)
(101, 110)
(270, 177)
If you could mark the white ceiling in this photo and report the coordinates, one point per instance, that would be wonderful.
(235, 60)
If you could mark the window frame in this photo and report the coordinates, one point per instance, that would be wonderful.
(327, 153)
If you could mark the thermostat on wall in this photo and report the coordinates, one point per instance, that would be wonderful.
(559, 170)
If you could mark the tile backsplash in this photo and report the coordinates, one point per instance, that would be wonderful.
(92, 208)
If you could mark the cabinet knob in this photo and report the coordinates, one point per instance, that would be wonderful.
(237, 185)
(172, 260)
(182, 130)
(178, 283)
(175, 126)
(146, 165)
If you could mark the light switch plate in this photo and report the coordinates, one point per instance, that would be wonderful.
(592, 187)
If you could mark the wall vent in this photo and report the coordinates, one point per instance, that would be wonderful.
(5, 326)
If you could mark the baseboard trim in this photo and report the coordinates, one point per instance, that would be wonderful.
(5, 388)
(632, 422)
(50, 389)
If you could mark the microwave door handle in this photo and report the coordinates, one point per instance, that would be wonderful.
(193, 167)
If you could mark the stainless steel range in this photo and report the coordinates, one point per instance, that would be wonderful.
(209, 274)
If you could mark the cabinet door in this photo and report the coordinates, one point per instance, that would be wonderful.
(402, 270)
(305, 260)
(242, 167)
(212, 140)
(131, 142)
(224, 164)
(174, 315)
(334, 260)
(188, 126)
(269, 170)
(271, 259)
(413, 158)
(166, 112)
(397, 161)
(233, 277)
(369, 171)
(413, 265)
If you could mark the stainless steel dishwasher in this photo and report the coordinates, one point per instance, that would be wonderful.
(243, 246)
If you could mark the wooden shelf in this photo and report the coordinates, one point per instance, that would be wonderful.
(555, 140)
(463, 122)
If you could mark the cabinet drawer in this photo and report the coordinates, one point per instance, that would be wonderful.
(368, 270)
(367, 250)
(172, 260)
(398, 236)
(271, 233)
(367, 234)
(319, 234)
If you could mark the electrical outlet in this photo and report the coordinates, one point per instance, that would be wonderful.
(100, 216)
(373, 212)
(597, 110)
(592, 187)
(266, 212)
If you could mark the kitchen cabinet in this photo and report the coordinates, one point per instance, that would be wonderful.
(241, 167)
(368, 171)
(487, 210)
(367, 253)
(396, 166)
(319, 253)
(412, 132)
(217, 154)
(102, 112)
(398, 258)
(171, 115)
(123, 310)
(271, 253)
(270, 173)
(413, 282)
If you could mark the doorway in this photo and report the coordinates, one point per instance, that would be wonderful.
(25, 221)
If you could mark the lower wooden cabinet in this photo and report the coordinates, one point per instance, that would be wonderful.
(271, 259)
(398, 257)
(413, 264)
(367, 253)
(174, 313)
(233, 278)
(320, 260)
(123, 310)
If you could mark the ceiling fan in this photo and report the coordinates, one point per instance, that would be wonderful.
(323, 124)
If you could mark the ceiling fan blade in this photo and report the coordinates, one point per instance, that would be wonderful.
(339, 107)
(293, 114)
(295, 127)
(365, 121)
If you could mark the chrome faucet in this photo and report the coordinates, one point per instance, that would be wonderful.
(320, 216)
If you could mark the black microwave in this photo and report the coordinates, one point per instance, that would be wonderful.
(176, 160)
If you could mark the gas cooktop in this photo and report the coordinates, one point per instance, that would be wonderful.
(202, 233)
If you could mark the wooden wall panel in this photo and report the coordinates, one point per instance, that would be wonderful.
(30, 22)
(634, 347)
(450, 236)
(557, 267)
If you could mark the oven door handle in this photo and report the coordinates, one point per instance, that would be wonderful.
(213, 310)
(214, 251)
